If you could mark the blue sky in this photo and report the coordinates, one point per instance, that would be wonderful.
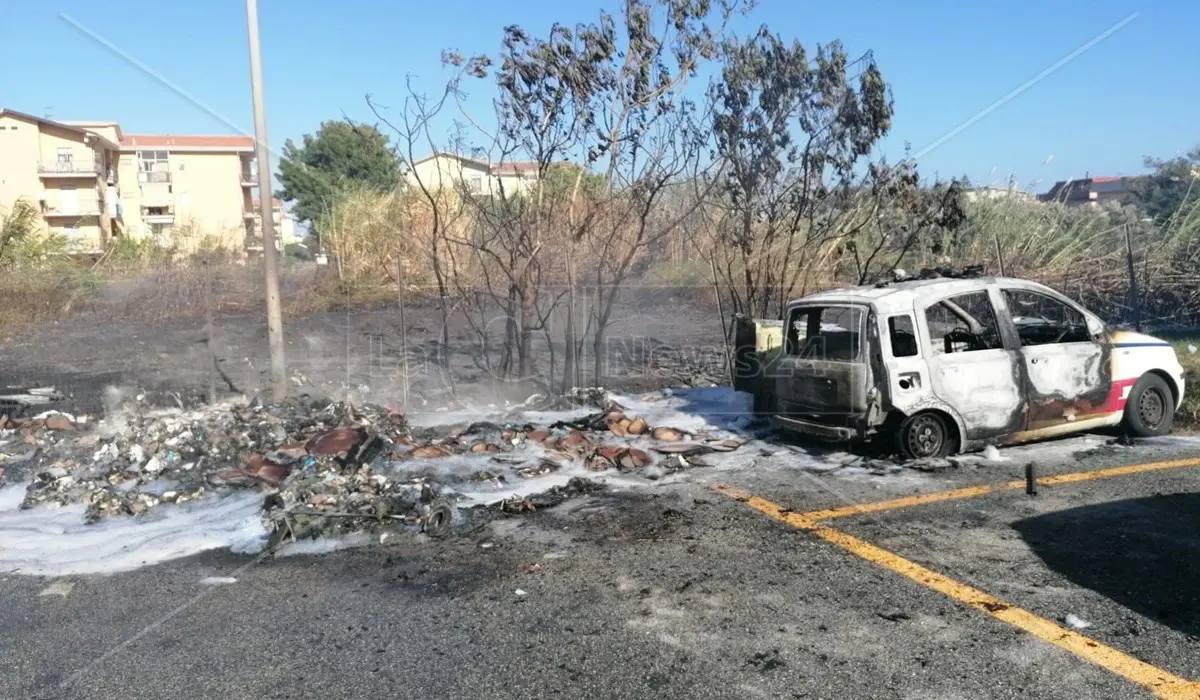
(1133, 94)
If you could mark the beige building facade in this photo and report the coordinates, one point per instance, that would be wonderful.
(68, 173)
(93, 184)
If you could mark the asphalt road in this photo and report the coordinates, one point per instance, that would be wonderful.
(677, 592)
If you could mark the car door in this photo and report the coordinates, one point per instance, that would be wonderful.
(970, 367)
(823, 374)
(1066, 369)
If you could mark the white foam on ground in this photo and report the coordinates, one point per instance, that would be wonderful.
(991, 453)
(696, 409)
(714, 411)
(322, 545)
(692, 409)
(11, 497)
(49, 541)
(52, 541)
(466, 414)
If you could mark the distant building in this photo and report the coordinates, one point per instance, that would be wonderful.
(976, 194)
(478, 177)
(93, 184)
(1090, 191)
(285, 227)
(198, 186)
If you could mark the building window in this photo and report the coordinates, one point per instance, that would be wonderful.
(160, 229)
(66, 159)
(153, 161)
(475, 185)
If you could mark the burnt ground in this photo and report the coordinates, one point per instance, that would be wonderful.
(669, 591)
(650, 345)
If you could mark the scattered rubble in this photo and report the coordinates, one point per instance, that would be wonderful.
(22, 402)
(332, 468)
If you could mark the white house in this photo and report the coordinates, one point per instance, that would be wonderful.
(478, 176)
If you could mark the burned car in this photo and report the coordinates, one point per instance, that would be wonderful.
(948, 365)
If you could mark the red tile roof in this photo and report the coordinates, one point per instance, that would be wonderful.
(171, 141)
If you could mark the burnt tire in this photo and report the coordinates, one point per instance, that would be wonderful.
(925, 435)
(437, 520)
(1150, 408)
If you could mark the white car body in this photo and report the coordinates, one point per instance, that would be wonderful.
(855, 360)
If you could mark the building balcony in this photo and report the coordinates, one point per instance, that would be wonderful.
(249, 178)
(158, 215)
(82, 209)
(162, 177)
(69, 169)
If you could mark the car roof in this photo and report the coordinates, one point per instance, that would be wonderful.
(901, 296)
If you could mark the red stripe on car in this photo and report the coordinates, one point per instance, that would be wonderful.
(1116, 396)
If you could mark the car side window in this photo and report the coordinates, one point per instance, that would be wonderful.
(1044, 320)
(963, 323)
(902, 336)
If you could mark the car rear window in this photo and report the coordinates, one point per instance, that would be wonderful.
(826, 332)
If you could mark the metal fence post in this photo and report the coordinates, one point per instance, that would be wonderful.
(1135, 304)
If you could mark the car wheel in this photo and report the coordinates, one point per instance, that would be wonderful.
(1150, 409)
(925, 435)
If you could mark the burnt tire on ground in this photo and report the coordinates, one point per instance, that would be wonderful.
(437, 521)
(924, 435)
(1150, 409)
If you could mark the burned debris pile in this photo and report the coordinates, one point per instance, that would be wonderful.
(331, 468)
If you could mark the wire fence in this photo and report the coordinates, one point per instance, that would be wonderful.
(186, 334)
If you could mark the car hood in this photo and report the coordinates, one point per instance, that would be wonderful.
(1132, 339)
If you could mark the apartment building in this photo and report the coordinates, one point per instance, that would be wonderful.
(68, 172)
(477, 176)
(93, 183)
(188, 189)
(285, 227)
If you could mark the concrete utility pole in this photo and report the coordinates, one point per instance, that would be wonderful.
(266, 213)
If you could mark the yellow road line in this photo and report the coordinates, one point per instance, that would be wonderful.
(973, 491)
(905, 502)
(1162, 683)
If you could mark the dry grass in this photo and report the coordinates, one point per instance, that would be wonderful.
(1188, 350)
(162, 291)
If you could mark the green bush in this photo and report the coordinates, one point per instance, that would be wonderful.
(137, 250)
(297, 252)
